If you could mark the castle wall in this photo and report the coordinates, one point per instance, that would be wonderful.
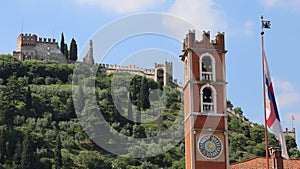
(31, 47)
(149, 73)
(167, 69)
(291, 133)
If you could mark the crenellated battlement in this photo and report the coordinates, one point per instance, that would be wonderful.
(26, 40)
(149, 73)
(157, 65)
(32, 40)
(129, 68)
(30, 46)
(217, 43)
(47, 40)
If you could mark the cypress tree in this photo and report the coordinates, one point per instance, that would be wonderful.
(62, 43)
(70, 108)
(144, 94)
(138, 113)
(134, 91)
(66, 52)
(73, 50)
(58, 158)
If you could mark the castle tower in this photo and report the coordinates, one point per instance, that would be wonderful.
(291, 133)
(89, 58)
(30, 46)
(206, 137)
(163, 73)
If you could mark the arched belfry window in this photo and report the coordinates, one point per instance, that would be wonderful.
(186, 72)
(207, 67)
(208, 99)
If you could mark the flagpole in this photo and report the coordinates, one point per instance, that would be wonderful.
(292, 122)
(265, 114)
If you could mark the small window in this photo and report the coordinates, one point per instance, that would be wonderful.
(186, 72)
(207, 98)
(207, 68)
(207, 95)
(208, 102)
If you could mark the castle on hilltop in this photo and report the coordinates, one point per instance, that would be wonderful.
(31, 47)
(162, 73)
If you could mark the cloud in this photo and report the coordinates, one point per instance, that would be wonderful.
(288, 99)
(295, 4)
(203, 14)
(248, 28)
(123, 6)
(271, 3)
(286, 96)
(283, 85)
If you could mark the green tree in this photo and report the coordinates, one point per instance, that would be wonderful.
(134, 89)
(257, 134)
(64, 46)
(80, 99)
(129, 111)
(138, 117)
(292, 147)
(66, 52)
(62, 43)
(294, 153)
(73, 50)
(11, 101)
(28, 99)
(290, 142)
(229, 105)
(238, 110)
(2, 144)
(144, 94)
(57, 155)
(17, 156)
(70, 110)
(27, 157)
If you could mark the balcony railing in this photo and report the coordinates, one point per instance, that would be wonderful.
(207, 76)
(208, 107)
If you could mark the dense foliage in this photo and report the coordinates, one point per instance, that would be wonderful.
(39, 127)
(69, 54)
(247, 140)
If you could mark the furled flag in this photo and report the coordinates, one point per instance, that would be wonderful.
(272, 114)
(293, 117)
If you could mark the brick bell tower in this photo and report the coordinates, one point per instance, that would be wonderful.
(206, 137)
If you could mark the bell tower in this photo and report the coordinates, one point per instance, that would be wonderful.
(206, 136)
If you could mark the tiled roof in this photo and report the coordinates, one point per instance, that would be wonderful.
(260, 163)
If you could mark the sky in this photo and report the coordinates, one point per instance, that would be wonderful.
(240, 20)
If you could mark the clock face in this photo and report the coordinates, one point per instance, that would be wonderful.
(210, 146)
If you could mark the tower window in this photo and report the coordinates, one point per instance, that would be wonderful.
(207, 68)
(208, 101)
(160, 77)
(207, 95)
(186, 72)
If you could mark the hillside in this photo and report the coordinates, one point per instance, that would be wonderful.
(39, 127)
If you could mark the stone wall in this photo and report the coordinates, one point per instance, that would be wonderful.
(34, 47)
